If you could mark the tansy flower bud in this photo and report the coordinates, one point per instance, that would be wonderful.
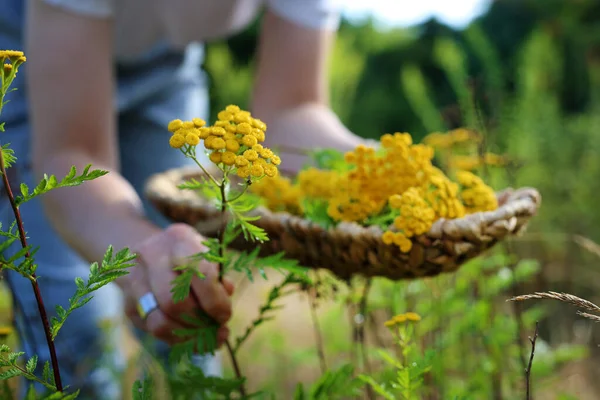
(243, 172)
(270, 170)
(225, 116)
(257, 123)
(217, 131)
(250, 155)
(175, 125)
(232, 145)
(215, 157)
(249, 140)
(218, 143)
(232, 109)
(228, 158)
(192, 139)
(244, 128)
(176, 141)
(241, 161)
(257, 170)
(198, 122)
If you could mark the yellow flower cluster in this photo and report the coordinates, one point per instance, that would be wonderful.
(469, 162)
(320, 184)
(10, 61)
(416, 217)
(233, 142)
(396, 182)
(442, 194)
(475, 194)
(402, 318)
(279, 193)
(377, 175)
(452, 138)
(12, 55)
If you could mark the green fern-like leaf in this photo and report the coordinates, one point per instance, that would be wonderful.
(49, 183)
(202, 337)
(8, 155)
(190, 381)
(31, 364)
(378, 388)
(336, 384)
(113, 267)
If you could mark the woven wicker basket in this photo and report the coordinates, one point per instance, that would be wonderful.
(350, 249)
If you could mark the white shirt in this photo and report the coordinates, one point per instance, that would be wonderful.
(140, 24)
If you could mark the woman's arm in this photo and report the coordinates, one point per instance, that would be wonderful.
(291, 89)
(71, 92)
(73, 123)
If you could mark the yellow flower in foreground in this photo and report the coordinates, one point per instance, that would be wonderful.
(402, 318)
(13, 55)
(233, 142)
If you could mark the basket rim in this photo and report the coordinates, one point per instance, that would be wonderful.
(511, 216)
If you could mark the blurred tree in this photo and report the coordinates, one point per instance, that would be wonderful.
(367, 84)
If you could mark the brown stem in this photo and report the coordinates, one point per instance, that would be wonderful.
(528, 369)
(34, 283)
(234, 362)
(236, 367)
(317, 330)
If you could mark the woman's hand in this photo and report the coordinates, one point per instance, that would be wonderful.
(291, 89)
(157, 256)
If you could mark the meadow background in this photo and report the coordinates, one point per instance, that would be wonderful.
(526, 74)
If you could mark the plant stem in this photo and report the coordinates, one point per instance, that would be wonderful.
(317, 330)
(234, 362)
(528, 370)
(212, 178)
(34, 283)
(236, 367)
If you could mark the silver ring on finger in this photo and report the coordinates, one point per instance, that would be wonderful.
(146, 304)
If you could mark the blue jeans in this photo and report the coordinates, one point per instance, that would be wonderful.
(81, 344)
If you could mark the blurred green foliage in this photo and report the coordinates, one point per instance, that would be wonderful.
(526, 74)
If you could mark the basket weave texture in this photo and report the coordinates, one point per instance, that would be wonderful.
(349, 249)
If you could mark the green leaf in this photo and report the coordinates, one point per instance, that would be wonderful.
(299, 392)
(8, 155)
(31, 364)
(51, 182)
(329, 159)
(181, 286)
(203, 337)
(10, 373)
(191, 381)
(336, 384)
(24, 190)
(316, 211)
(113, 267)
(47, 374)
(379, 389)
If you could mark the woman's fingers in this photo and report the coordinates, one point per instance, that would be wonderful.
(155, 274)
(229, 287)
(212, 294)
(156, 322)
